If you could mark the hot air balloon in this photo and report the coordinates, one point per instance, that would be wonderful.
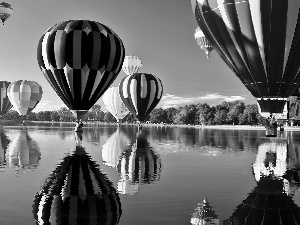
(24, 95)
(113, 147)
(204, 214)
(5, 11)
(203, 42)
(77, 193)
(4, 143)
(131, 64)
(140, 92)
(80, 59)
(5, 104)
(114, 103)
(23, 153)
(258, 40)
(137, 165)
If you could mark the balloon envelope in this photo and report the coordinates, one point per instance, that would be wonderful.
(80, 59)
(131, 64)
(114, 103)
(258, 40)
(5, 11)
(77, 192)
(24, 95)
(5, 104)
(203, 42)
(140, 92)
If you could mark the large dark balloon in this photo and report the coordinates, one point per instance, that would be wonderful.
(80, 59)
(140, 92)
(77, 193)
(5, 104)
(258, 40)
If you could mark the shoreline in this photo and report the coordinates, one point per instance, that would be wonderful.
(223, 127)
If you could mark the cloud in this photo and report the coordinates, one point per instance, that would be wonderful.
(169, 100)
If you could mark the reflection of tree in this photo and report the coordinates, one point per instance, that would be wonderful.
(113, 147)
(138, 165)
(77, 193)
(23, 152)
(4, 142)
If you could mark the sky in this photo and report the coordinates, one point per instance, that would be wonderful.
(160, 33)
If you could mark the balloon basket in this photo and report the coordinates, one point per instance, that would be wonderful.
(271, 131)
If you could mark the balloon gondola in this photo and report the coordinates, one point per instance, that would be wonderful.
(131, 64)
(5, 11)
(141, 92)
(80, 59)
(77, 192)
(203, 42)
(258, 40)
(138, 165)
(114, 104)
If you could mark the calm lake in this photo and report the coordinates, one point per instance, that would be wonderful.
(117, 175)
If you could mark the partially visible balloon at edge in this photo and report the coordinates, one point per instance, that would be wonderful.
(24, 95)
(5, 11)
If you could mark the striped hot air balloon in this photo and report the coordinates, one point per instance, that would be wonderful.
(5, 11)
(80, 59)
(77, 193)
(258, 40)
(114, 103)
(203, 42)
(24, 95)
(5, 104)
(140, 92)
(131, 64)
(140, 164)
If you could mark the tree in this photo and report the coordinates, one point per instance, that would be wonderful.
(250, 115)
(206, 114)
(158, 116)
(171, 113)
(233, 116)
(109, 118)
(55, 116)
(65, 114)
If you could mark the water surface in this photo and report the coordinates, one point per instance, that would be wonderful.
(156, 176)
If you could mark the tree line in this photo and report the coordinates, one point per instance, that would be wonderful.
(237, 113)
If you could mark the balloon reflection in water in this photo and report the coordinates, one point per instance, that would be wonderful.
(112, 149)
(139, 164)
(77, 193)
(23, 153)
(4, 142)
(204, 214)
(271, 200)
